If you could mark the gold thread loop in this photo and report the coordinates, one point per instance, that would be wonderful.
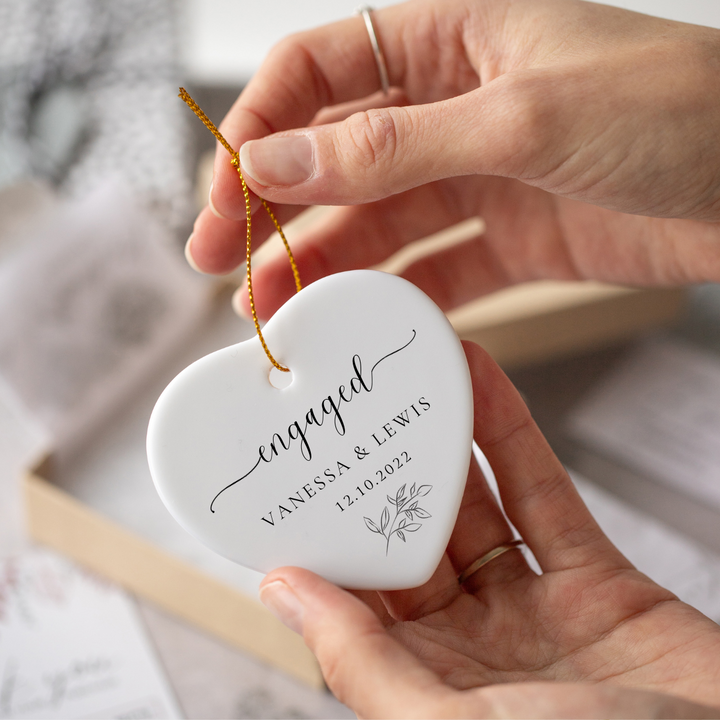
(235, 162)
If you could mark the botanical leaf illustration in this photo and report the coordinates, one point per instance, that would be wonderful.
(406, 509)
(372, 526)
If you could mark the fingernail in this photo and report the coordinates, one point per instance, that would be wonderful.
(278, 160)
(282, 602)
(238, 303)
(188, 255)
(210, 204)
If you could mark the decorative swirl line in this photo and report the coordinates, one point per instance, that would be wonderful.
(356, 359)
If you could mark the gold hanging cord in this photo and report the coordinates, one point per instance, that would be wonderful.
(235, 161)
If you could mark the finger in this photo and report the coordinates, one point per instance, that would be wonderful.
(481, 527)
(494, 130)
(233, 185)
(218, 245)
(373, 600)
(523, 241)
(436, 594)
(460, 273)
(302, 74)
(338, 113)
(335, 64)
(354, 237)
(537, 494)
(363, 666)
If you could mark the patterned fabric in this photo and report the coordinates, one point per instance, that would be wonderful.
(88, 91)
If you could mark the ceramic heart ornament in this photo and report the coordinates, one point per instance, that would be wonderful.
(356, 469)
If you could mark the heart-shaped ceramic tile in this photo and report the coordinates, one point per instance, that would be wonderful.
(356, 469)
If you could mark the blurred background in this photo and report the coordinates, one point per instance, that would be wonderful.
(88, 89)
(102, 172)
(85, 87)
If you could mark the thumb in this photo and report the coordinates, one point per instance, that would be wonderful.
(385, 151)
(363, 666)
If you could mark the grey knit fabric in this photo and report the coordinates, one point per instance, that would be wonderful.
(88, 91)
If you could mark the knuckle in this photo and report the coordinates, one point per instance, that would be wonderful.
(294, 71)
(286, 50)
(369, 139)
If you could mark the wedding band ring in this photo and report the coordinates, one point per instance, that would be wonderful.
(464, 576)
(366, 11)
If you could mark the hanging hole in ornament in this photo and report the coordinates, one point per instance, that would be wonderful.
(279, 379)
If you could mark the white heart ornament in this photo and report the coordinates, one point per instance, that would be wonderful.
(356, 469)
